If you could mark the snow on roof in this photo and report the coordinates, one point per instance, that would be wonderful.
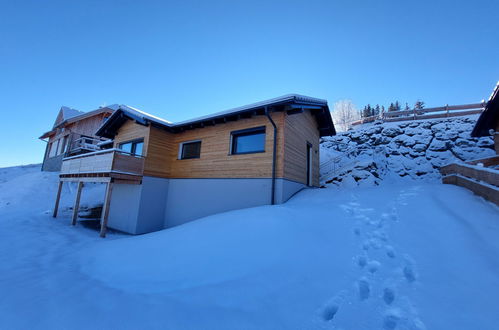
(138, 113)
(260, 104)
(68, 112)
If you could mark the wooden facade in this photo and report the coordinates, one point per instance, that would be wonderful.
(66, 134)
(294, 131)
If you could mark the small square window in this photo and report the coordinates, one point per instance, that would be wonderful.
(190, 150)
(248, 141)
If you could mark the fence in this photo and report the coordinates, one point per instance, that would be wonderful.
(426, 113)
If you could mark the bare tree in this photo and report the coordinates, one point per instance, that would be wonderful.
(344, 113)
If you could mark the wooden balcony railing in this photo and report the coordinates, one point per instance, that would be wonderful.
(103, 162)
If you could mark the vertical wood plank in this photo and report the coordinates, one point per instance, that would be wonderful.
(57, 199)
(77, 203)
(105, 209)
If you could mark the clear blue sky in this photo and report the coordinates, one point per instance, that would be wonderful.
(184, 59)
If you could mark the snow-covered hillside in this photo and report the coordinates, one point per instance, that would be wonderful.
(417, 149)
(408, 255)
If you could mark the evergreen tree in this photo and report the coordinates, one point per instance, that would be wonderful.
(407, 106)
(367, 112)
(377, 110)
(397, 106)
(391, 107)
(419, 105)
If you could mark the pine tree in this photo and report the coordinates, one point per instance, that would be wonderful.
(391, 107)
(419, 105)
(367, 112)
(407, 106)
(397, 106)
(376, 110)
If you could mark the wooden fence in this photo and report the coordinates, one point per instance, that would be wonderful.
(426, 113)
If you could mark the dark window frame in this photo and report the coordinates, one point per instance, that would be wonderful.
(246, 132)
(181, 150)
(134, 146)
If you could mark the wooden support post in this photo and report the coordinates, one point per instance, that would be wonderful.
(446, 110)
(57, 199)
(105, 209)
(77, 203)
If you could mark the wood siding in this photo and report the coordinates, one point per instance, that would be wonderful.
(129, 131)
(160, 148)
(216, 161)
(299, 129)
(294, 131)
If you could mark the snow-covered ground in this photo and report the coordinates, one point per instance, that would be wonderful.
(407, 255)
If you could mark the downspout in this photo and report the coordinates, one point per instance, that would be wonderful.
(273, 154)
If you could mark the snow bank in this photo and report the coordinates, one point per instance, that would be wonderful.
(415, 149)
(397, 256)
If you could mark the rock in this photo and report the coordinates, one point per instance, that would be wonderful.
(391, 131)
(463, 143)
(439, 158)
(438, 145)
(419, 147)
(485, 142)
(447, 135)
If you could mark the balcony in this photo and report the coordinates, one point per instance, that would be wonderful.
(103, 166)
(84, 144)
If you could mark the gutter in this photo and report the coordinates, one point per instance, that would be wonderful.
(273, 154)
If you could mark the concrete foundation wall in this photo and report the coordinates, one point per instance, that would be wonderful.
(190, 199)
(285, 189)
(153, 198)
(52, 164)
(162, 203)
(124, 207)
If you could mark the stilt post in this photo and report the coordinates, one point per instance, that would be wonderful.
(77, 203)
(57, 199)
(105, 209)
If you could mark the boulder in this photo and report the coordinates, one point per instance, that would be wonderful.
(391, 131)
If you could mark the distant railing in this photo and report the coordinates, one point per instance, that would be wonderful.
(420, 114)
(85, 144)
(347, 160)
(103, 161)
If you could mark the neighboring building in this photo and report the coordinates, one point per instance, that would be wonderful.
(488, 123)
(161, 174)
(73, 133)
(481, 176)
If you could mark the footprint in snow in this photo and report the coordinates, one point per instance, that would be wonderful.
(331, 307)
(364, 288)
(373, 266)
(362, 261)
(408, 270)
(391, 319)
(390, 251)
(388, 295)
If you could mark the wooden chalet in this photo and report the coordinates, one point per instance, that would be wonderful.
(73, 133)
(161, 174)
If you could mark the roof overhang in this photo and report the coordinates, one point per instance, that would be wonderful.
(318, 107)
(489, 118)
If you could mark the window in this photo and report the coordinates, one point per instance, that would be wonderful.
(248, 141)
(190, 150)
(133, 147)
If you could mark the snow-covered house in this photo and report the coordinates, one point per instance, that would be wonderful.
(488, 123)
(73, 133)
(161, 174)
